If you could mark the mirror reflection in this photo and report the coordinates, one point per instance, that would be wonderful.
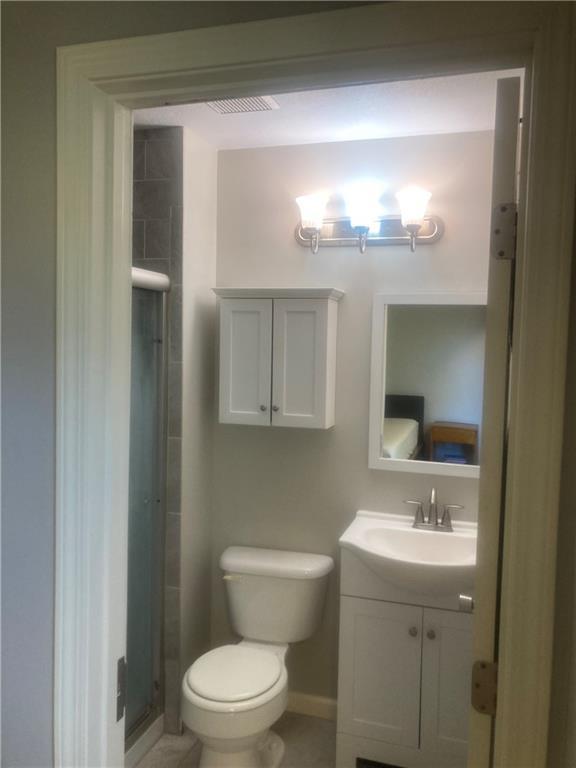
(433, 376)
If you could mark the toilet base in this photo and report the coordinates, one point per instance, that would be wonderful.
(268, 753)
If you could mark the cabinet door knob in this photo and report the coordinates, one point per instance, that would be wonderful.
(263, 408)
(431, 634)
(275, 408)
(413, 631)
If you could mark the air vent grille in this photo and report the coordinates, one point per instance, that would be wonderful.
(243, 105)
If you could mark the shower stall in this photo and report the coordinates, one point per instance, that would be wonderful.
(144, 685)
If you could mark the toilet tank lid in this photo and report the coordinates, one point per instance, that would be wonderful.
(275, 562)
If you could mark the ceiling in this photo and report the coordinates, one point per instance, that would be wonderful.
(454, 104)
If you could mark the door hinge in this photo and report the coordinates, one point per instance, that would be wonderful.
(484, 687)
(120, 688)
(503, 231)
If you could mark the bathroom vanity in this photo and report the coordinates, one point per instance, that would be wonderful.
(278, 356)
(405, 644)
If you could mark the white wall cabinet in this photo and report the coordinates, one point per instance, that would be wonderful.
(245, 360)
(404, 684)
(278, 357)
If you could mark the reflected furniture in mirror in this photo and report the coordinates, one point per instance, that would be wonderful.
(426, 385)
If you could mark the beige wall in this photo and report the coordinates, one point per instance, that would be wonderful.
(198, 324)
(298, 489)
(31, 31)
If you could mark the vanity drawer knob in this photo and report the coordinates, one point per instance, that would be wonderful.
(431, 634)
(263, 408)
(275, 408)
(413, 631)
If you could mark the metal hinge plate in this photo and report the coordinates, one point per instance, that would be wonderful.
(503, 231)
(120, 688)
(484, 687)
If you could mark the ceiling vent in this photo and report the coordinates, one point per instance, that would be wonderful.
(244, 105)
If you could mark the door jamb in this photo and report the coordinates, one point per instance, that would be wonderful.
(97, 85)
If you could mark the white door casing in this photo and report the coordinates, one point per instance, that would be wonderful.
(97, 85)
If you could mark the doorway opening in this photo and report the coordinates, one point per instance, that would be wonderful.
(240, 174)
(96, 94)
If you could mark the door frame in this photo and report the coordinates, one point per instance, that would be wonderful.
(98, 85)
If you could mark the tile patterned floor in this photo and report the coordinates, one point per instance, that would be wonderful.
(310, 743)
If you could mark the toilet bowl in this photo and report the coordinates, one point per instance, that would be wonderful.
(230, 698)
(232, 695)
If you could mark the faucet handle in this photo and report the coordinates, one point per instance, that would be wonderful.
(446, 516)
(419, 514)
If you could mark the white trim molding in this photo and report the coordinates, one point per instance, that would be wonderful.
(279, 293)
(313, 706)
(98, 84)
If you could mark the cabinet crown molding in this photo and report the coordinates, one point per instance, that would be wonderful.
(279, 293)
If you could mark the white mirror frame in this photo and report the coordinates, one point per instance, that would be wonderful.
(378, 382)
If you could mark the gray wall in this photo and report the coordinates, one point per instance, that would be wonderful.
(31, 31)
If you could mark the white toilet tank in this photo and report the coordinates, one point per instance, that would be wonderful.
(275, 596)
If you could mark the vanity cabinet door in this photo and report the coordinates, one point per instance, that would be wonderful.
(304, 363)
(446, 665)
(380, 665)
(245, 361)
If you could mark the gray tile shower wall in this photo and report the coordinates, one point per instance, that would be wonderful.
(157, 245)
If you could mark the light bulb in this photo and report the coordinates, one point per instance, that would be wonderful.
(312, 208)
(413, 202)
(362, 200)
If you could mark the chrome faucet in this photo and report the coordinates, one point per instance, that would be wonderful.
(431, 522)
(432, 509)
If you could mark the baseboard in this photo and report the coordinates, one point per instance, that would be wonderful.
(315, 706)
(144, 743)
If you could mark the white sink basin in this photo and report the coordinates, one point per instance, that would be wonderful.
(429, 562)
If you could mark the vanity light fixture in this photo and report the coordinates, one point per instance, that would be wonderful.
(365, 223)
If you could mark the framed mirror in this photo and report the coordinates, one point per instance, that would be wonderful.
(426, 383)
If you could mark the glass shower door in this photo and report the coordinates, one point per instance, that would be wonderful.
(145, 527)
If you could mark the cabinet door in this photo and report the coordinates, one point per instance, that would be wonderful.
(446, 668)
(379, 678)
(304, 356)
(245, 361)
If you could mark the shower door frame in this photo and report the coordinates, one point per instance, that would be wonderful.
(98, 85)
(148, 281)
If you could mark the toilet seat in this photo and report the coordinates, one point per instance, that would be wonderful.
(194, 702)
(234, 673)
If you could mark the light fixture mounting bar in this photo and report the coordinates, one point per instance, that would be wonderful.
(338, 233)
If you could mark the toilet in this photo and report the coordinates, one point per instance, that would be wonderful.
(232, 695)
